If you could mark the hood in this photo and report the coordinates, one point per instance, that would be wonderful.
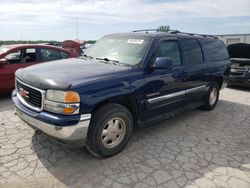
(63, 74)
(239, 50)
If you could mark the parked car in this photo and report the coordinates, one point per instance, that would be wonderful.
(74, 46)
(13, 57)
(124, 80)
(240, 70)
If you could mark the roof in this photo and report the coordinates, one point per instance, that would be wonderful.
(13, 47)
(28, 45)
(143, 33)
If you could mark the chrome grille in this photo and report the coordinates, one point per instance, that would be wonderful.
(30, 96)
(238, 71)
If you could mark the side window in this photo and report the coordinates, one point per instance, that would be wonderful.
(64, 55)
(169, 49)
(50, 54)
(29, 55)
(14, 57)
(216, 50)
(192, 51)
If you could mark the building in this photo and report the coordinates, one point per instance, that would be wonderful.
(234, 38)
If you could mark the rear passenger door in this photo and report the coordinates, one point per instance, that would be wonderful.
(195, 68)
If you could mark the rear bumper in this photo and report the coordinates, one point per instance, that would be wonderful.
(64, 128)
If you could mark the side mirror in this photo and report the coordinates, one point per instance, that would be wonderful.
(163, 63)
(3, 61)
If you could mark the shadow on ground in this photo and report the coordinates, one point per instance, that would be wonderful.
(5, 102)
(241, 88)
(194, 147)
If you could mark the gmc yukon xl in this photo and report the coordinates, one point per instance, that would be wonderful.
(124, 80)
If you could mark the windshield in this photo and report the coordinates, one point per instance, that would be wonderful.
(123, 49)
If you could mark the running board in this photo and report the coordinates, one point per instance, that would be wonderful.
(178, 111)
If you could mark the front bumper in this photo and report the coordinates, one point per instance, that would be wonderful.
(239, 81)
(55, 125)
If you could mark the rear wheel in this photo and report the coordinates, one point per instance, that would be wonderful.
(109, 131)
(212, 97)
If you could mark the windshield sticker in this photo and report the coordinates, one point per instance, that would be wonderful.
(135, 41)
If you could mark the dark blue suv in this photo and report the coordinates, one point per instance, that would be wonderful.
(124, 80)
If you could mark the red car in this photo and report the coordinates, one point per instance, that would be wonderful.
(13, 57)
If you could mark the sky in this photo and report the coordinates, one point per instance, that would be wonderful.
(58, 19)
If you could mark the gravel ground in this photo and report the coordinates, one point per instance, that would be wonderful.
(195, 149)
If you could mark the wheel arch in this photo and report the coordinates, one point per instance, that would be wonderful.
(128, 101)
(219, 80)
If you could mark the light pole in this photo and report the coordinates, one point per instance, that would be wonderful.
(76, 28)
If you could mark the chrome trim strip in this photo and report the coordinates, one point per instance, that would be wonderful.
(176, 94)
(243, 74)
(242, 71)
(85, 117)
(27, 104)
(164, 97)
(196, 88)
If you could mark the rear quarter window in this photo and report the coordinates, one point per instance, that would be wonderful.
(216, 50)
(50, 54)
(64, 55)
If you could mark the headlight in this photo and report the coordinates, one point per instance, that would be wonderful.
(63, 96)
(62, 102)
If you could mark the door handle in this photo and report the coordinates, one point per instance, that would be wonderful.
(184, 75)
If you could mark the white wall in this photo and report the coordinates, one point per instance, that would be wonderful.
(231, 39)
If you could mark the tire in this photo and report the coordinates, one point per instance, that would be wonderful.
(110, 129)
(211, 98)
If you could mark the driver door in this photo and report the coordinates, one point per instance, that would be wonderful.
(165, 89)
(17, 59)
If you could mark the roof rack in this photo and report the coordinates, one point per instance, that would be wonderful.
(147, 30)
(194, 34)
(176, 32)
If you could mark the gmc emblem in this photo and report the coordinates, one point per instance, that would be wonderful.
(24, 93)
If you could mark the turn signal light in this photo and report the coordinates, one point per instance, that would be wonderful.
(69, 110)
(72, 97)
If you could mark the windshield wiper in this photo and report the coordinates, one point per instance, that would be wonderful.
(107, 59)
(89, 57)
(115, 62)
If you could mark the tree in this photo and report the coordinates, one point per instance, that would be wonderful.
(163, 28)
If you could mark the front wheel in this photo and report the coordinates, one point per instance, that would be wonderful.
(109, 131)
(211, 99)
